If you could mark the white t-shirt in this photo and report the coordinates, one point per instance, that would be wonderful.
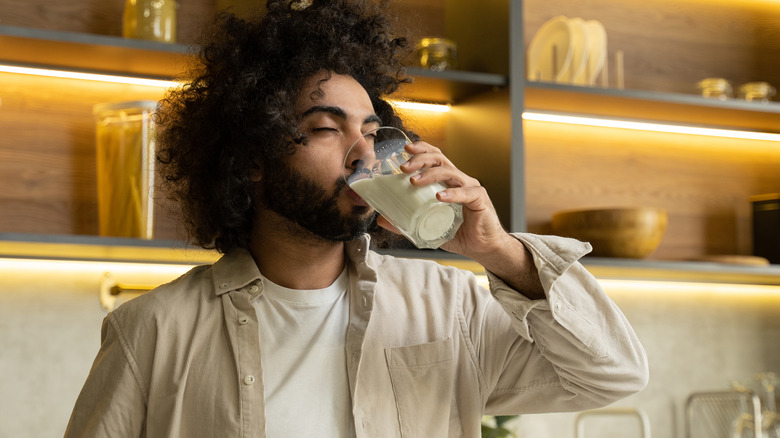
(302, 336)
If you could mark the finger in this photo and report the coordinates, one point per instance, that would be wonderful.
(425, 161)
(448, 175)
(473, 198)
(424, 155)
(421, 147)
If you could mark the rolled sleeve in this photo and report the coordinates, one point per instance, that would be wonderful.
(552, 256)
(577, 328)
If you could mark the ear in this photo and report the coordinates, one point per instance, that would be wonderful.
(256, 174)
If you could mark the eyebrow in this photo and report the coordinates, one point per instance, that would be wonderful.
(338, 112)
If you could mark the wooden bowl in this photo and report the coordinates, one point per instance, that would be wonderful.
(614, 232)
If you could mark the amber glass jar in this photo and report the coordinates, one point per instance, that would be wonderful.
(153, 20)
(125, 168)
(436, 54)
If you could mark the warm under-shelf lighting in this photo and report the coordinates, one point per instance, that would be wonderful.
(685, 288)
(65, 74)
(29, 266)
(648, 126)
(131, 80)
(419, 106)
(22, 270)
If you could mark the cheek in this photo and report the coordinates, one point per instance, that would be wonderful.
(323, 166)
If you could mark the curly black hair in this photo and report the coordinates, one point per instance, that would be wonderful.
(237, 108)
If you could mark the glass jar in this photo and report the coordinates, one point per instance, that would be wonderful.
(125, 157)
(756, 91)
(715, 88)
(153, 20)
(436, 54)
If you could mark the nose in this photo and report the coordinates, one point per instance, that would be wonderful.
(360, 149)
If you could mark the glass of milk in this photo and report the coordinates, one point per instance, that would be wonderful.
(373, 170)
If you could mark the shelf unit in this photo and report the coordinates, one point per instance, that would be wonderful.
(73, 51)
(703, 182)
(684, 109)
(148, 59)
(488, 99)
(93, 53)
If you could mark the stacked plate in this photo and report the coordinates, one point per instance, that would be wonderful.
(568, 51)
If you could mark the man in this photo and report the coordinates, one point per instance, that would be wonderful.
(301, 329)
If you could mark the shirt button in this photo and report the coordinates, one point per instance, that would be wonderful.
(253, 288)
(243, 320)
(249, 380)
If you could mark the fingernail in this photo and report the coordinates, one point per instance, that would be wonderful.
(416, 176)
(443, 194)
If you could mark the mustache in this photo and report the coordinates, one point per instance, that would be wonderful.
(340, 185)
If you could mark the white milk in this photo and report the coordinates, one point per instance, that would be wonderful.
(412, 209)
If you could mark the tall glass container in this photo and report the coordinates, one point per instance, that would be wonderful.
(125, 168)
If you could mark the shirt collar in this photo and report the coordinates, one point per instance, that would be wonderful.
(357, 250)
(237, 269)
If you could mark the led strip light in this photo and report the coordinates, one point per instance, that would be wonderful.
(648, 126)
(129, 80)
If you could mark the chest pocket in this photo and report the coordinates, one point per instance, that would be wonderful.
(422, 377)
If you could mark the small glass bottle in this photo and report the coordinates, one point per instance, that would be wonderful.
(715, 88)
(153, 20)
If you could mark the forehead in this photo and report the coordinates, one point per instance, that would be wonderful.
(334, 90)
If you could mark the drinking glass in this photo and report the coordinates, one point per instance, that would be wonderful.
(373, 170)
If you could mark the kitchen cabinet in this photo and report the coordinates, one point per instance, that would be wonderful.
(531, 169)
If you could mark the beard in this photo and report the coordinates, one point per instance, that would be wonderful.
(307, 204)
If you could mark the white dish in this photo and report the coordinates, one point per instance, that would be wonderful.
(597, 43)
(550, 51)
(580, 52)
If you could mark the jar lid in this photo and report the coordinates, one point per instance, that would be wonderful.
(765, 197)
(714, 83)
(436, 42)
(150, 105)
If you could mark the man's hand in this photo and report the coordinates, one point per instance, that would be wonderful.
(481, 236)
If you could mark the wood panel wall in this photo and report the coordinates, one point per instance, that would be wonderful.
(420, 18)
(100, 17)
(704, 183)
(47, 154)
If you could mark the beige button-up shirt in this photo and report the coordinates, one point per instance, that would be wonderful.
(429, 351)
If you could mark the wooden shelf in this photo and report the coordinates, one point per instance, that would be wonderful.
(684, 271)
(114, 55)
(449, 86)
(94, 248)
(94, 53)
(653, 106)
(636, 269)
